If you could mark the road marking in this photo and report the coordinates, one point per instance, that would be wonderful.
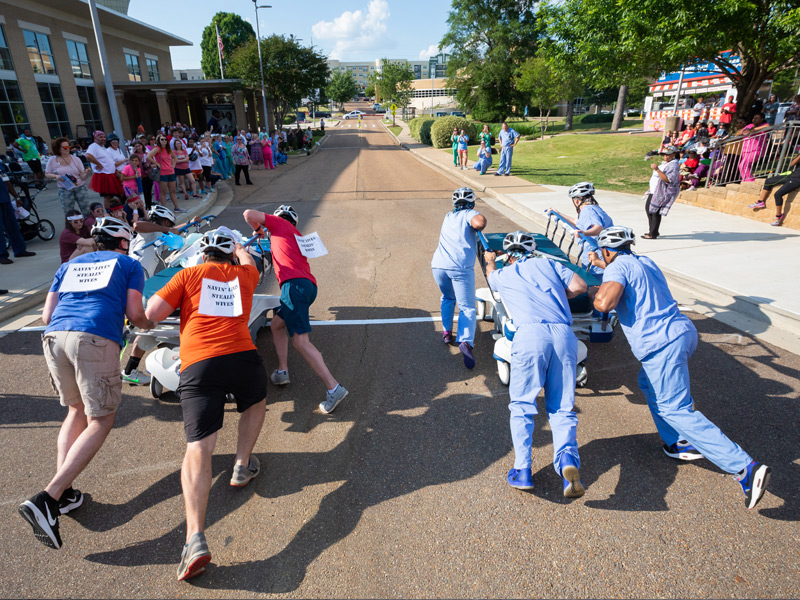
(41, 328)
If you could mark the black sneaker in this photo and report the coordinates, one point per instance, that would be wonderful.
(41, 511)
(70, 500)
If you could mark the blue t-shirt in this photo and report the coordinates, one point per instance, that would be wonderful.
(592, 215)
(647, 311)
(458, 244)
(462, 142)
(507, 137)
(98, 284)
(534, 291)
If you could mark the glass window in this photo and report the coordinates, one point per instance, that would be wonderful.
(134, 70)
(90, 108)
(55, 111)
(152, 69)
(39, 52)
(13, 118)
(79, 58)
(5, 55)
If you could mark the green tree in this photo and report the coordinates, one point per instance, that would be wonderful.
(234, 31)
(624, 40)
(544, 87)
(341, 87)
(291, 71)
(369, 92)
(490, 39)
(393, 82)
(785, 85)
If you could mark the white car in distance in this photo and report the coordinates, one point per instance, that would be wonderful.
(354, 115)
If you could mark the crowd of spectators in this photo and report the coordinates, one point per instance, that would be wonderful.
(132, 176)
(702, 153)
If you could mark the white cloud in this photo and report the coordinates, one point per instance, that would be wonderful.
(355, 31)
(431, 50)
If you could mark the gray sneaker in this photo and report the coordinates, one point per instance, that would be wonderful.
(242, 475)
(332, 399)
(279, 378)
(194, 558)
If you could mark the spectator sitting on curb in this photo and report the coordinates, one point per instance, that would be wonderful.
(76, 238)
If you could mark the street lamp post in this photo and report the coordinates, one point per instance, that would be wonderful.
(261, 65)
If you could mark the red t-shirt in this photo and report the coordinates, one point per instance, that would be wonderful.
(289, 262)
(727, 117)
(207, 330)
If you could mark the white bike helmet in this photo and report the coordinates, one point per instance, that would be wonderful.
(615, 237)
(519, 241)
(285, 209)
(162, 212)
(111, 227)
(218, 240)
(579, 190)
(462, 196)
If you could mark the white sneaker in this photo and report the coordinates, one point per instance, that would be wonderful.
(136, 377)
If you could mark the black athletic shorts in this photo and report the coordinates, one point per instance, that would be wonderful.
(204, 386)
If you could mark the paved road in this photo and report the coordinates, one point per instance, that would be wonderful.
(401, 492)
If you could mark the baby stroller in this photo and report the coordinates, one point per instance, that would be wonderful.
(30, 224)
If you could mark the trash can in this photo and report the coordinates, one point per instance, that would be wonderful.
(672, 123)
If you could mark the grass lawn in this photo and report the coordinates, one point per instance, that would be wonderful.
(556, 126)
(396, 129)
(612, 162)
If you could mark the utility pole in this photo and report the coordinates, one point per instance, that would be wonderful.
(261, 65)
(101, 49)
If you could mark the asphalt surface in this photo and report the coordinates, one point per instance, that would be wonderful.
(401, 491)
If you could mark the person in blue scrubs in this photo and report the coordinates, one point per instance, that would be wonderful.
(663, 339)
(508, 139)
(544, 354)
(590, 222)
(484, 159)
(453, 267)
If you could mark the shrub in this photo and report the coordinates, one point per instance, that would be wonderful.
(289, 119)
(443, 127)
(598, 118)
(421, 129)
(425, 131)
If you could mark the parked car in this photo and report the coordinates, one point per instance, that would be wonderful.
(354, 115)
(320, 115)
(380, 110)
(376, 106)
(457, 113)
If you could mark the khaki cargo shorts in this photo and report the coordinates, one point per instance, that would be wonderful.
(84, 368)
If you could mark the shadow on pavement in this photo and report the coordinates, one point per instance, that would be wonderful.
(407, 433)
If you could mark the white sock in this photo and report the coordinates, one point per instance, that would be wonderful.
(334, 389)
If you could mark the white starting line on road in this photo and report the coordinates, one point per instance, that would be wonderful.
(40, 328)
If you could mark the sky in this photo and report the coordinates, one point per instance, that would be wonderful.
(347, 30)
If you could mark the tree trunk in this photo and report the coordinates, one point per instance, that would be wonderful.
(570, 114)
(619, 113)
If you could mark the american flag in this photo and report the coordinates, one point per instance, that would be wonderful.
(220, 44)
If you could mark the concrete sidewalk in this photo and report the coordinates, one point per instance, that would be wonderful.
(29, 279)
(735, 269)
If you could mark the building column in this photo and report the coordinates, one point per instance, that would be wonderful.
(123, 115)
(238, 105)
(164, 114)
(252, 122)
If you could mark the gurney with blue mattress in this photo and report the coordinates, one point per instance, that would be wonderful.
(588, 325)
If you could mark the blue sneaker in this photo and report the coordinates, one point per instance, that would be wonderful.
(573, 487)
(682, 450)
(522, 479)
(754, 480)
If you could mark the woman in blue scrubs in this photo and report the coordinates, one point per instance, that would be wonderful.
(453, 267)
(544, 355)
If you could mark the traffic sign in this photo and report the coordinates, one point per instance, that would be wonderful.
(393, 108)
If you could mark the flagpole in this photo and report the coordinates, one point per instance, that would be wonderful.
(219, 52)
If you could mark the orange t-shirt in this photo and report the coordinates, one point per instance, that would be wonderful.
(215, 301)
